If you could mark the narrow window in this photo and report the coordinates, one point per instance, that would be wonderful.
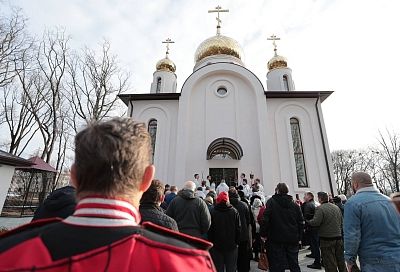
(158, 88)
(298, 153)
(152, 128)
(286, 83)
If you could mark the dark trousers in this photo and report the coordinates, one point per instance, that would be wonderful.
(243, 260)
(333, 255)
(224, 260)
(314, 244)
(280, 256)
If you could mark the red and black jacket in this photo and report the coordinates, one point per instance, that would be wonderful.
(102, 235)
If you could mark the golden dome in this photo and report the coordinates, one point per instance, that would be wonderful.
(217, 45)
(277, 62)
(166, 65)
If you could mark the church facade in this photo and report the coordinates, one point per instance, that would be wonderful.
(223, 122)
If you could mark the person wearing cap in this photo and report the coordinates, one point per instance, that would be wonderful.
(224, 233)
(371, 228)
(190, 212)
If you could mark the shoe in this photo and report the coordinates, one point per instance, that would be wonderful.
(310, 256)
(314, 266)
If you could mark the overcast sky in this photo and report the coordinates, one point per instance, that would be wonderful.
(350, 47)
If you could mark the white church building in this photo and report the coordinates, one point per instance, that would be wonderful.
(224, 122)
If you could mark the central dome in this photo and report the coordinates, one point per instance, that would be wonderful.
(218, 45)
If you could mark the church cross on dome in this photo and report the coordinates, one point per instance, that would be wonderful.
(167, 41)
(218, 9)
(274, 38)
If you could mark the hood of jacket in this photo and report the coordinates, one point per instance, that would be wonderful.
(283, 200)
(223, 206)
(60, 198)
(186, 194)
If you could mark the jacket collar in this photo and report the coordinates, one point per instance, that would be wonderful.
(368, 189)
(99, 211)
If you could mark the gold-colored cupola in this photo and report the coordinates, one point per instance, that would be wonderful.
(218, 44)
(166, 64)
(277, 61)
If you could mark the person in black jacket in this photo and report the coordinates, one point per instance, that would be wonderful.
(150, 209)
(312, 232)
(190, 212)
(60, 203)
(283, 227)
(224, 233)
(244, 251)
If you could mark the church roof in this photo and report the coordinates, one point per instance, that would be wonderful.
(269, 94)
(148, 96)
(299, 94)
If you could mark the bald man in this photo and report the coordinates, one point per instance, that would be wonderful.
(371, 228)
(190, 212)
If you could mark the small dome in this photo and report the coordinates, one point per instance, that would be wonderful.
(166, 65)
(277, 62)
(218, 45)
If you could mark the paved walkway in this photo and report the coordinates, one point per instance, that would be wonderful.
(303, 261)
(12, 222)
(9, 223)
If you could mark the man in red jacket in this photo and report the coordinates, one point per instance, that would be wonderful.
(111, 171)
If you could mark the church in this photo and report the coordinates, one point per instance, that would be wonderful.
(224, 122)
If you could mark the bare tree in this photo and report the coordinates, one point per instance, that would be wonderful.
(344, 164)
(93, 86)
(390, 155)
(51, 60)
(13, 42)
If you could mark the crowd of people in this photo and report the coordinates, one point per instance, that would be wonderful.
(121, 218)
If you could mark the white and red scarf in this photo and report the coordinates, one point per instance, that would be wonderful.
(99, 211)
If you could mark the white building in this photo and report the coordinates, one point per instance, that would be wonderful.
(223, 122)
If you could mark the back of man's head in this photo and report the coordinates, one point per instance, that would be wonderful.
(153, 195)
(323, 197)
(362, 178)
(189, 185)
(282, 188)
(111, 157)
(174, 189)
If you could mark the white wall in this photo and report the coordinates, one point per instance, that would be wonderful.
(6, 174)
(282, 159)
(168, 82)
(204, 117)
(165, 112)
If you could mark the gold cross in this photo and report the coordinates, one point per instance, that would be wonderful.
(274, 38)
(218, 9)
(167, 41)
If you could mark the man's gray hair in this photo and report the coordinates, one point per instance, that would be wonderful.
(362, 178)
(190, 185)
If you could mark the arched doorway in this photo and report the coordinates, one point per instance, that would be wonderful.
(224, 149)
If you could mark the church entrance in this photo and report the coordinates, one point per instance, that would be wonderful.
(229, 174)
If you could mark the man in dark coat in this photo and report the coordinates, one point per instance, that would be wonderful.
(224, 233)
(150, 209)
(60, 203)
(312, 232)
(244, 250)
(283, 227)
(190, 212)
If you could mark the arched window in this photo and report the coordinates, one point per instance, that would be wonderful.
(298, 153)
(158, 88)
(286, 83)
(152, 128)
(224, 149)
